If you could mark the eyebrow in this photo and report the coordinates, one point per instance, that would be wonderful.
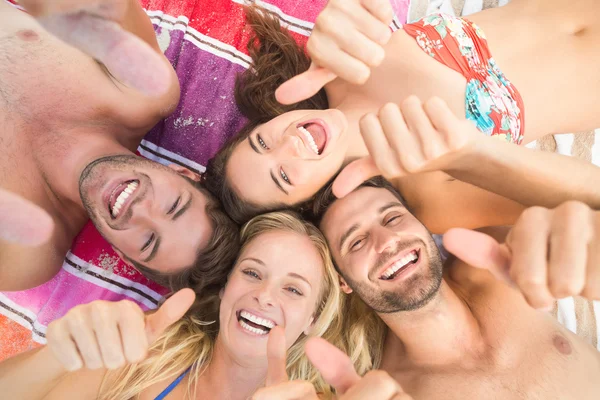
(254, 147)
(183, 209)
(390, 205)
(278, 183)
(154, 250)
(346, 235)
(295, 275)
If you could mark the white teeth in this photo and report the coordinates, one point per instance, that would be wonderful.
(252, 329)
(311, 140)
(412, 256)
(122, 197)
(257, 320)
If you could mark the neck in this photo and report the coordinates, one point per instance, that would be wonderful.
(230, 379)
(444, 331)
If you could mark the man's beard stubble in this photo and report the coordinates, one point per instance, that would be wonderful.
(415, 292)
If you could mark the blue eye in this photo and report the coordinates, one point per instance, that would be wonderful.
(294, 290)
(251, 273)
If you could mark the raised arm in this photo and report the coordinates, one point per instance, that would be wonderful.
(117, 33)
(418, 138)
(87, 341)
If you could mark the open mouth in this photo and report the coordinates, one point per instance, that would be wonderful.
(396, 268)
(119, 197)
(254, 324)
(315, 134)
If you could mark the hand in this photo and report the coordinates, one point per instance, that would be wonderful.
(548, 254)
(413, 138)
(347, 41)
(337, 370)
(278, 386)
(104, 334)
(23, 222)
(94, 27)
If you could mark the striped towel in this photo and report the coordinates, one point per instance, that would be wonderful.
(578, 315)
(205, 40)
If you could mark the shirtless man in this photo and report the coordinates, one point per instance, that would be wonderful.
(69, 126)
(455, 331)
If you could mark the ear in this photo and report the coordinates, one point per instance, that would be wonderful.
(185, 172)
(310, 325)
(123, 258)
(344, 286)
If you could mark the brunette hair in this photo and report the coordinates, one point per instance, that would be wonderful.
(276, 57)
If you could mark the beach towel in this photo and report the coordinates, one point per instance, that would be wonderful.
(205, 40)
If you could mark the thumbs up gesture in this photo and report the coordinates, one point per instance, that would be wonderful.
(547, 255)
(104, 334)
(277, 385)
(96, 28)
(337, 370)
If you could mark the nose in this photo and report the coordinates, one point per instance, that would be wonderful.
(146, 213)
(289, 144)
(383, 239)
(264, 297)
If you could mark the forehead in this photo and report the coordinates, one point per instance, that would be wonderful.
(359, 207)
(284, 251)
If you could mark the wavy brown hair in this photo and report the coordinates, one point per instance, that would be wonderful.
(276, 57)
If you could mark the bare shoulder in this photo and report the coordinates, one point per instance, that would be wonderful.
(83, 384)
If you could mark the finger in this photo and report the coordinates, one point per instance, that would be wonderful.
(446, 122)
(63, 347)
(528, 243)
(276, 357)
(326, 53)
(381, 9)
(297, 390)
(592, 282)
(375, 384)
(479, 250)
(353, 175)
(335, 366)
(385, 157)
(23, 222)
(104, 321)
(170, 312)
(357, 45)
(303, 86)
(132, 329)
(373, 27)
(128, 58)
(82, 333)
(402, 141)
(570, 233)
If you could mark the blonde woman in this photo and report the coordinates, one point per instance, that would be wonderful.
(283, 278)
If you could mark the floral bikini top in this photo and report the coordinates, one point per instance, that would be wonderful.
(491, 101)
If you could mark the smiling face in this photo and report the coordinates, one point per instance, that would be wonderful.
(288, 159)
(150, 213)
(277, 280)
(383, 252)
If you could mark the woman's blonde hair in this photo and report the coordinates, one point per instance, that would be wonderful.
(190, 341)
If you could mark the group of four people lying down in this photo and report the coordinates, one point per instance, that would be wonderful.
(410, 105)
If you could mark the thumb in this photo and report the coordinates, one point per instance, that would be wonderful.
(276, 357)
(128, 58)
(353, 175)
(304, 86)
(479, 250)
(335, 366)
(23, 222)
(170, 312)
